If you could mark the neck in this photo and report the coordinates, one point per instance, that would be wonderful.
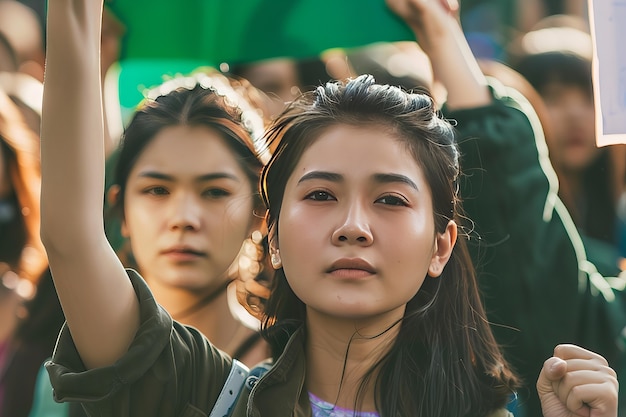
(570, 191)
(340, 354)
(213, 319)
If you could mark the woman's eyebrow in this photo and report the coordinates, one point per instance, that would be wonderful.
(321, 175)
(205, 177)
(385, 178)
(218, 176)
(393, 178)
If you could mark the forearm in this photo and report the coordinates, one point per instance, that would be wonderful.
(97, 298)
(439, 34)
(72, 126)
(455, 67)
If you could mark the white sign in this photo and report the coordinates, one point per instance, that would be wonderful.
(608, 31)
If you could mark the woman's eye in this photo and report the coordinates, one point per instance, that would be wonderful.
(156, 191)
(215, 193)
(392, 200)
(320, 196)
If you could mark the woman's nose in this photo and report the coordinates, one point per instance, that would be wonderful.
(186, 213)
(354, 228)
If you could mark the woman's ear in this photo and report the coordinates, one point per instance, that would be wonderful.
(112, 198)
(272, 237)
(444, 243)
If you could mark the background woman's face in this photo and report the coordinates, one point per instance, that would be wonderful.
(356, 230)
(188, 208)
(572, 121)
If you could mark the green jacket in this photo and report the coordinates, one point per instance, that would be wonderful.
(538, 285)
(172, 370)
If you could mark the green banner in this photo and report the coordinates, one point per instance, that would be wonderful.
(216, 31)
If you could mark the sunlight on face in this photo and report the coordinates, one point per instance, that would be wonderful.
(356, 231)
(188, 208)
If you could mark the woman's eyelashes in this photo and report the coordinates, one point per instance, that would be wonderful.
(387, 199)
(319, 195)
(211, 193)
(155, 191)
(216, 193)
(393, 200)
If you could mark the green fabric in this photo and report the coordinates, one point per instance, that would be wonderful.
(529, 256)
(215, 31)
(166, 37)
(137, 76)
(603, 255)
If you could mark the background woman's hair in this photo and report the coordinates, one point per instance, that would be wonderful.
(20, 242)
(210, 100)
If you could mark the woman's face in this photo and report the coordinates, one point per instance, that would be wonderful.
(278, 78)
(572, 120)
(356, 231)
(188, 208)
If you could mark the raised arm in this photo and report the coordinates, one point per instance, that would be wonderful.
(97, 297)
(440, 36)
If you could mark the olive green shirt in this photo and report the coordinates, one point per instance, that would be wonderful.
(172, 370)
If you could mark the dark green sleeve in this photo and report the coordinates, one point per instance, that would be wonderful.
(538, 286)
(169, 369)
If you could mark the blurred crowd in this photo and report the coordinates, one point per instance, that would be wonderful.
(541, 48)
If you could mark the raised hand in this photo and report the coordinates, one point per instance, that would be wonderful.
(577, 382)
(429, 19)
(439, 34)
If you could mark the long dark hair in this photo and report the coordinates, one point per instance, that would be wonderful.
(445, 361)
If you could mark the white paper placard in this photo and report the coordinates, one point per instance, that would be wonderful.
(607, 19)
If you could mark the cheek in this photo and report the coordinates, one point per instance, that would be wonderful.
(556, 114)
(298, 242)
(408, 245)
(138, 218)
(235, 223)
(409, 254)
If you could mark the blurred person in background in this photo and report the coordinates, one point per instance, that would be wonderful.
(283, 79)
(22, 256)
(22, 27)
(17, 80)
(555, 57)
(491, 25)
(8, 57)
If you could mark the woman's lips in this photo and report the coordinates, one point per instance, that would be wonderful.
(351, 268)
(183, 254)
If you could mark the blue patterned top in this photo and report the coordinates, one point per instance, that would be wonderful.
(323, 409)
